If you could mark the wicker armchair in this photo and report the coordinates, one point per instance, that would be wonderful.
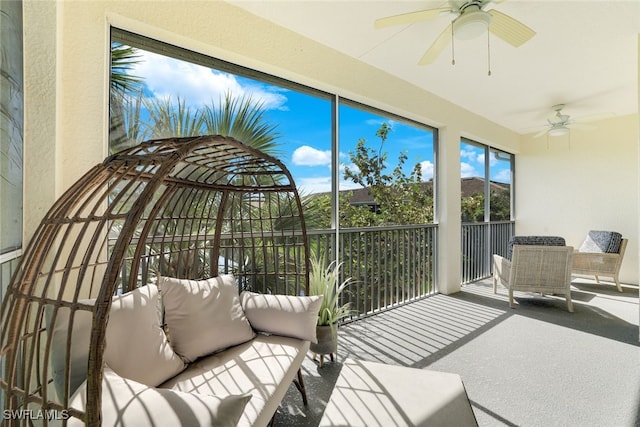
(544, 269)
(601, 255)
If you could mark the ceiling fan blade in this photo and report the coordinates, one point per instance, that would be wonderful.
(592, 118)
(509, 29)
(409, 18)
(437, 47)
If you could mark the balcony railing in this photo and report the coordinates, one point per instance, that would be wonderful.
(479, 242)
(389, 266)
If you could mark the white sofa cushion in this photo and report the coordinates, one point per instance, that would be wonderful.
(203, 316)
(136, 345)
(264, 367)
(128, 403)
(286, 315)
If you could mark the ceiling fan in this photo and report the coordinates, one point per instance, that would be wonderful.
(559, 124)
(471, 21)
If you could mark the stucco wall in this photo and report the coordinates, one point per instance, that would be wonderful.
(585, 181)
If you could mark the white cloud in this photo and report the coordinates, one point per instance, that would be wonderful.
(502, 176)
(469, 154)
(197, 85)
(476, 156)
(467, 170)
(322, 184)
(309, 156)
(310, 185)
(348, 185)
(427, 170)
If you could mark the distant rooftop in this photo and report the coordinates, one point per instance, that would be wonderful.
(469, 186)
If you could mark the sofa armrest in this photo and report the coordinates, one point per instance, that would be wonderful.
(501, 270)
(594, 263)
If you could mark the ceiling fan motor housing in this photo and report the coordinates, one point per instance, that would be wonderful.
(471, 23)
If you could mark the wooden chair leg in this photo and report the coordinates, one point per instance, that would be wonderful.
(511, 305)
(617, 280)
(569, 303)
(301, 388)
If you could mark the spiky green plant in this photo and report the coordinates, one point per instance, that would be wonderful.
(244, 119)
(325, 280)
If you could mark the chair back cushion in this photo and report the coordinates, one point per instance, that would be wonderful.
(535, 241)
(602, 242)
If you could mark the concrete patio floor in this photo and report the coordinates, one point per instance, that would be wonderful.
(535, 365)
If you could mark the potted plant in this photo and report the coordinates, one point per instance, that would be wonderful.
(325, 280)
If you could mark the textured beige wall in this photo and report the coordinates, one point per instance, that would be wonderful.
(586, 182)
(40, 98)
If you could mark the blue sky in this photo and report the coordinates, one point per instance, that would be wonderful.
(304, 122)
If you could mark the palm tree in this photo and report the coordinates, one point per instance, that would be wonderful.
(169, 119)
(124, 109)
(243, 119)
(123, 59)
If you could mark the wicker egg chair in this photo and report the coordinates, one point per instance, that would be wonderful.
(191, 207)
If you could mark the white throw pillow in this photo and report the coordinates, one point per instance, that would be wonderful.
(129, 403)
(136, 345)
(285, 315)
(203, 316)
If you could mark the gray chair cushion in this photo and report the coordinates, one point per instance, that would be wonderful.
(534, 240)
(602, 242)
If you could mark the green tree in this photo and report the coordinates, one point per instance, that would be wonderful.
(500, 203)
(473, 208)
(399, 198)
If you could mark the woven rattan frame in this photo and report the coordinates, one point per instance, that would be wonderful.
(543, 269)
(183, 207)
(600, 264)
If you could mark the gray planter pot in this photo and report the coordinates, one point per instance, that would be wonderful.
(327, 342)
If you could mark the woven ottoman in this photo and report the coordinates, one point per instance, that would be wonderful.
(371, 394)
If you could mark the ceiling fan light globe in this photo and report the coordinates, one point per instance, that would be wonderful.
(470, 25)
(558, 131)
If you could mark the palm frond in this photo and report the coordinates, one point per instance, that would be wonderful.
(168, 118)
(123, 59)
(243, 119)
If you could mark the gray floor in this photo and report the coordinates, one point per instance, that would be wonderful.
(535, 365)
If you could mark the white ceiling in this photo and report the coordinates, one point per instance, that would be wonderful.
(584, 55)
